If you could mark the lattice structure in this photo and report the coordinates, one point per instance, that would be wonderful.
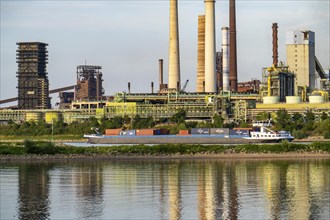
(219, 70)
(89, 82)
(277, 81)
(197, 111)
(33, 85)
(240, 110)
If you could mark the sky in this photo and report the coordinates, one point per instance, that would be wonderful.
(128, 37)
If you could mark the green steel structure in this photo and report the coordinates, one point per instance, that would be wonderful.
(198, 106)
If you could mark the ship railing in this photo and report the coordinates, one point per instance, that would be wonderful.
(262, 124)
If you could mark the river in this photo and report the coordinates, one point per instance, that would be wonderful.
(173, 189)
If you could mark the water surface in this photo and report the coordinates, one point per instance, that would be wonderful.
(215, 189)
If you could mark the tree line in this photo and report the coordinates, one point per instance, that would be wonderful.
(300, 125)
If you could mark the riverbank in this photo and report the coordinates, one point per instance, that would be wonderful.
(49, 151)
(75, 139)
(160, 157)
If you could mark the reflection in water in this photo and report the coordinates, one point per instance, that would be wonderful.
(174, 192)
(89, 183)
(33, 192)
(206, 190)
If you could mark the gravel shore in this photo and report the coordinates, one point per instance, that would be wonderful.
(134, 157)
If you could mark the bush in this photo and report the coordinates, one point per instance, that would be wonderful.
(326, 135)
(299, 134)
(40, 147)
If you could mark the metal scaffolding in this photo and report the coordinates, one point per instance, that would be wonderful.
(33, 85)
(277, 81)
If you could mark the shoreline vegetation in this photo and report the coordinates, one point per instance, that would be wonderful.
(50, 151)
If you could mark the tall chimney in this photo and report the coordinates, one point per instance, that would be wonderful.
(232, 46)
(225, 58)
(152, 87)
(129, 87)
(219, 70)
(161, 81)
(201, 54)
(275, 45)
(210, 73)
(174, 53)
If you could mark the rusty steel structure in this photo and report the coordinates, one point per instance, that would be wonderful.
(89, 82)
(162, 86)
(219, 70)
(249, 86)
(232, 47)
(33, 84)
(275, 44)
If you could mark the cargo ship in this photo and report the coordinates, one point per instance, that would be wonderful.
(259, 133)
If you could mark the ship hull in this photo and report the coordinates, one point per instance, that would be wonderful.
(172, 139)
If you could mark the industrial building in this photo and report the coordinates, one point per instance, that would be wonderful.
(252, 86)
(277, 84)
(282, 84)
(89, 82)
(200, 81)
(300, 51)
(33, 85)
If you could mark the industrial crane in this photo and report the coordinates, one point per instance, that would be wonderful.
(185, 86)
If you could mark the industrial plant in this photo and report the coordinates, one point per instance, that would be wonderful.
(286, 85)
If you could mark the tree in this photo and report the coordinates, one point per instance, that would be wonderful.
(263, 116)
(217, 121)
(296, 116)
(127, 119)
(117, 122)
(310, 116)
(179, 117)
(139, 122)
(283, 120)
(324, 116)
(191, 124)
(323, 127)
(298, 122)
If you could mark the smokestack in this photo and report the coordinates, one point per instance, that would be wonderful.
(219, 70)
(129, 87)
(174, 53)
(225, 58)
(201, 54)
(232, 46)
(210, 72)
(152, 87)
(275, 45)
(161, 81)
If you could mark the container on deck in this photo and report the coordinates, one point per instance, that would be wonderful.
(164, 131)
(128, 133)
(145, 132)
(203, 131)
(219, 130)
(184, 132)
(243, 129)
(239, 132)
(112, 131)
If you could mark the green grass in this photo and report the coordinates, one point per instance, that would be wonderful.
(49, 148)
(43, 137)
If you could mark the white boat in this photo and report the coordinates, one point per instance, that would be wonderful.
(267, 135)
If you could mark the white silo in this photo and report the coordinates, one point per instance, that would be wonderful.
(225, 58)
(174, 52)
(210, 62)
